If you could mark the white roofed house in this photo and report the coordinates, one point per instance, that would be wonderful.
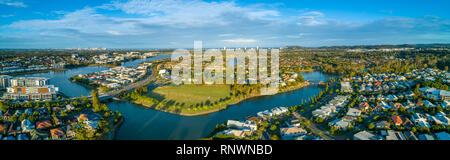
(238, 133)
(26, 125)
(346, 87)
(241, 125)
(292, 132)
(420, 120)
(70, 107)
(340, 124)
(428, 103)
(354, 112)
(364, 135)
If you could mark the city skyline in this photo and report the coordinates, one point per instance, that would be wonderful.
(177, 23)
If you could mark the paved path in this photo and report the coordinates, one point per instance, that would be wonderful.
(312, 126)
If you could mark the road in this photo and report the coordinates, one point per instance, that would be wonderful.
(307, 113)
(132, 85)
(312, 126)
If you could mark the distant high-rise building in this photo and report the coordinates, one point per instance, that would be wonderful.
(28, 81)
(4, 81)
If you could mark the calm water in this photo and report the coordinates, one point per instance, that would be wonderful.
(143, 123)
(61, 79)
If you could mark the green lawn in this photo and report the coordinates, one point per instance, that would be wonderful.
(188, 97)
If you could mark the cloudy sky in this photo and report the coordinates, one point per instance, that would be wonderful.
(177, 23)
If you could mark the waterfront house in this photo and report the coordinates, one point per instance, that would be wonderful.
(38, 135)
(255, 120)
(391, 135)
(241, 125)
(237, 133)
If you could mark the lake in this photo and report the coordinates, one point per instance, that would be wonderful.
(148, 124)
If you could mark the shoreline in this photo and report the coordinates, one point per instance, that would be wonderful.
(40, 71)
(116, 128)
(233, 102)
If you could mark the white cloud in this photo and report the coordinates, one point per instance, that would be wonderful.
(13, 3)
(177, 23)
(188, 12)
(240, 40)
(312, 18)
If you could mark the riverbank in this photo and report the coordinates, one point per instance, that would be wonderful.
(115, 129)
(233, 101)
(104, 65)
(39, 71)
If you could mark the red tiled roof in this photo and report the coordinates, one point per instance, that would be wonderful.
(57, 132)
(397, 120)
(43, 124)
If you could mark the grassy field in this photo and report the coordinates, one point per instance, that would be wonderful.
(194, 100)
(190, 95)
(188, 100)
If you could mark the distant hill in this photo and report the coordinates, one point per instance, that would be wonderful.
(434, 45)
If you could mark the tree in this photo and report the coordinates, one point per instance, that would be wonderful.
(417, 91)
(273, 127)
(275, 137)
(98, 107)
(22, 117)
(371, 126)
(3, 107)
(13, 118)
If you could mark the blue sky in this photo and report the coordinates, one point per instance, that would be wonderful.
(177, 23)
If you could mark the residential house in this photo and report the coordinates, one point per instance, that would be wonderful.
(426, 137)
(291, 132)
(382, 125)
(397, 120)
(442, 136)
(340, 124)
(57, 134)
(410, 135)
(237, 133)
(364, 135)
(26, 125)
(241, 125)
(354, 112)
(43, 124)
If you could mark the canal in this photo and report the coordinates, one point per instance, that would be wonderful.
(148, 124)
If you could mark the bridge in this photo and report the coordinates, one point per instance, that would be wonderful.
(110, 95)
(318, 82)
